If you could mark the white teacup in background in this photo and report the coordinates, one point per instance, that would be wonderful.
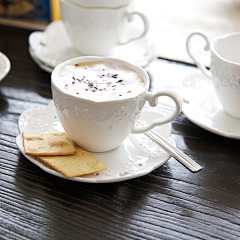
(224, 69)
(97, 30)
(102, 125)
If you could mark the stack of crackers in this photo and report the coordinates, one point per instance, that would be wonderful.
(57, 151)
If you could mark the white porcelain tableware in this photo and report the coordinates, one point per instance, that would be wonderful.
(135, 157)
(202, 107)
(52, 46)
(96, 31)
(41, 64)
(224, 69)
(5, 66)
(100, 126)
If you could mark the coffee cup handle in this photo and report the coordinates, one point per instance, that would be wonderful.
(145, 30)
(152, 98)
(201, 66)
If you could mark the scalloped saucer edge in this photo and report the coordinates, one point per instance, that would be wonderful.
(202, 107)
(136, 156)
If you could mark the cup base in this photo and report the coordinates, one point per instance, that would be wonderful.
(93, 53)
(104, 152)
(237, 116)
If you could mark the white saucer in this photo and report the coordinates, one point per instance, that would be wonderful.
(135, 157)
(5, 66)
(42, 65)
(202, 107)
(52, 46)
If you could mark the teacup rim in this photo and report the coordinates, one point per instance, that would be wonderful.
(140, 70)
(71, 3)
(214, 41)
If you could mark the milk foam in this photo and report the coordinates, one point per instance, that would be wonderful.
(99, 81)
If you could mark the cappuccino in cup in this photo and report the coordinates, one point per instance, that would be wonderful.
(100, 81)
(99, 100)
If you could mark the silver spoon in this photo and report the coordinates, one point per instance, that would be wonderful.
(173, 151)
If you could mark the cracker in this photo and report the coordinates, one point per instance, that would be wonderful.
(47, 144)
(80, 163)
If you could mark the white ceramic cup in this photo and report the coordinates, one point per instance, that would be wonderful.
(100, 126)
(224, 69)
(96, 31)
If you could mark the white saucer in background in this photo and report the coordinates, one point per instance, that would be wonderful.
(202, 107)
(52, 46)
(136, 156)
(5, 66)
(42, 65)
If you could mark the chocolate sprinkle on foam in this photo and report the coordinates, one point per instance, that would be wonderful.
(91, 81)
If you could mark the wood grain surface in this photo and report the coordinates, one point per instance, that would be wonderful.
(169, 203)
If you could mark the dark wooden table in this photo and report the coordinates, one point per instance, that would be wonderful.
(169, 203)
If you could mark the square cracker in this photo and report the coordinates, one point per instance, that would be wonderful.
(47, 144)
(80, 163)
